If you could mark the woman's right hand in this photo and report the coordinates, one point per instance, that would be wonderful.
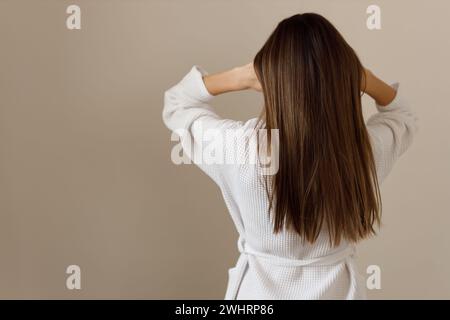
(366, 80)
(376, 88)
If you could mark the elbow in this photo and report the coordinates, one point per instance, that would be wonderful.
(414, 124)
(411, 123)
(168, 108)
(412, 128)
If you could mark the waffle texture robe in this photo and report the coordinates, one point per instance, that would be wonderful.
(275, 266)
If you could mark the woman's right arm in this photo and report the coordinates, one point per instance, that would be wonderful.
(393, 128)
(380, 91)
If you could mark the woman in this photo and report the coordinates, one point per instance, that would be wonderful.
(299, 225)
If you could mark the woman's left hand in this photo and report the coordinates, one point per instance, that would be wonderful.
(248, 77)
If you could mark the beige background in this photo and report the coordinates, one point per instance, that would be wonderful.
(85, 170)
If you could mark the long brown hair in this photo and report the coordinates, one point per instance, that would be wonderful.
(311, 80)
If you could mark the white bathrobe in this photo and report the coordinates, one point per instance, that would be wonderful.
(276, 266)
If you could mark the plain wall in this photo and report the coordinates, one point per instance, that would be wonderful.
(85, 170)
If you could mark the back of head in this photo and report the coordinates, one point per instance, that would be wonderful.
(311, 82)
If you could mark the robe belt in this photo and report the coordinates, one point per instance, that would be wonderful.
(245, 250)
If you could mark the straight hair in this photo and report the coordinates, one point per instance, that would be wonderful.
(311, 82)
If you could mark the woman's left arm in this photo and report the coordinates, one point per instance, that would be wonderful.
(187, 113)
(236, 79)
